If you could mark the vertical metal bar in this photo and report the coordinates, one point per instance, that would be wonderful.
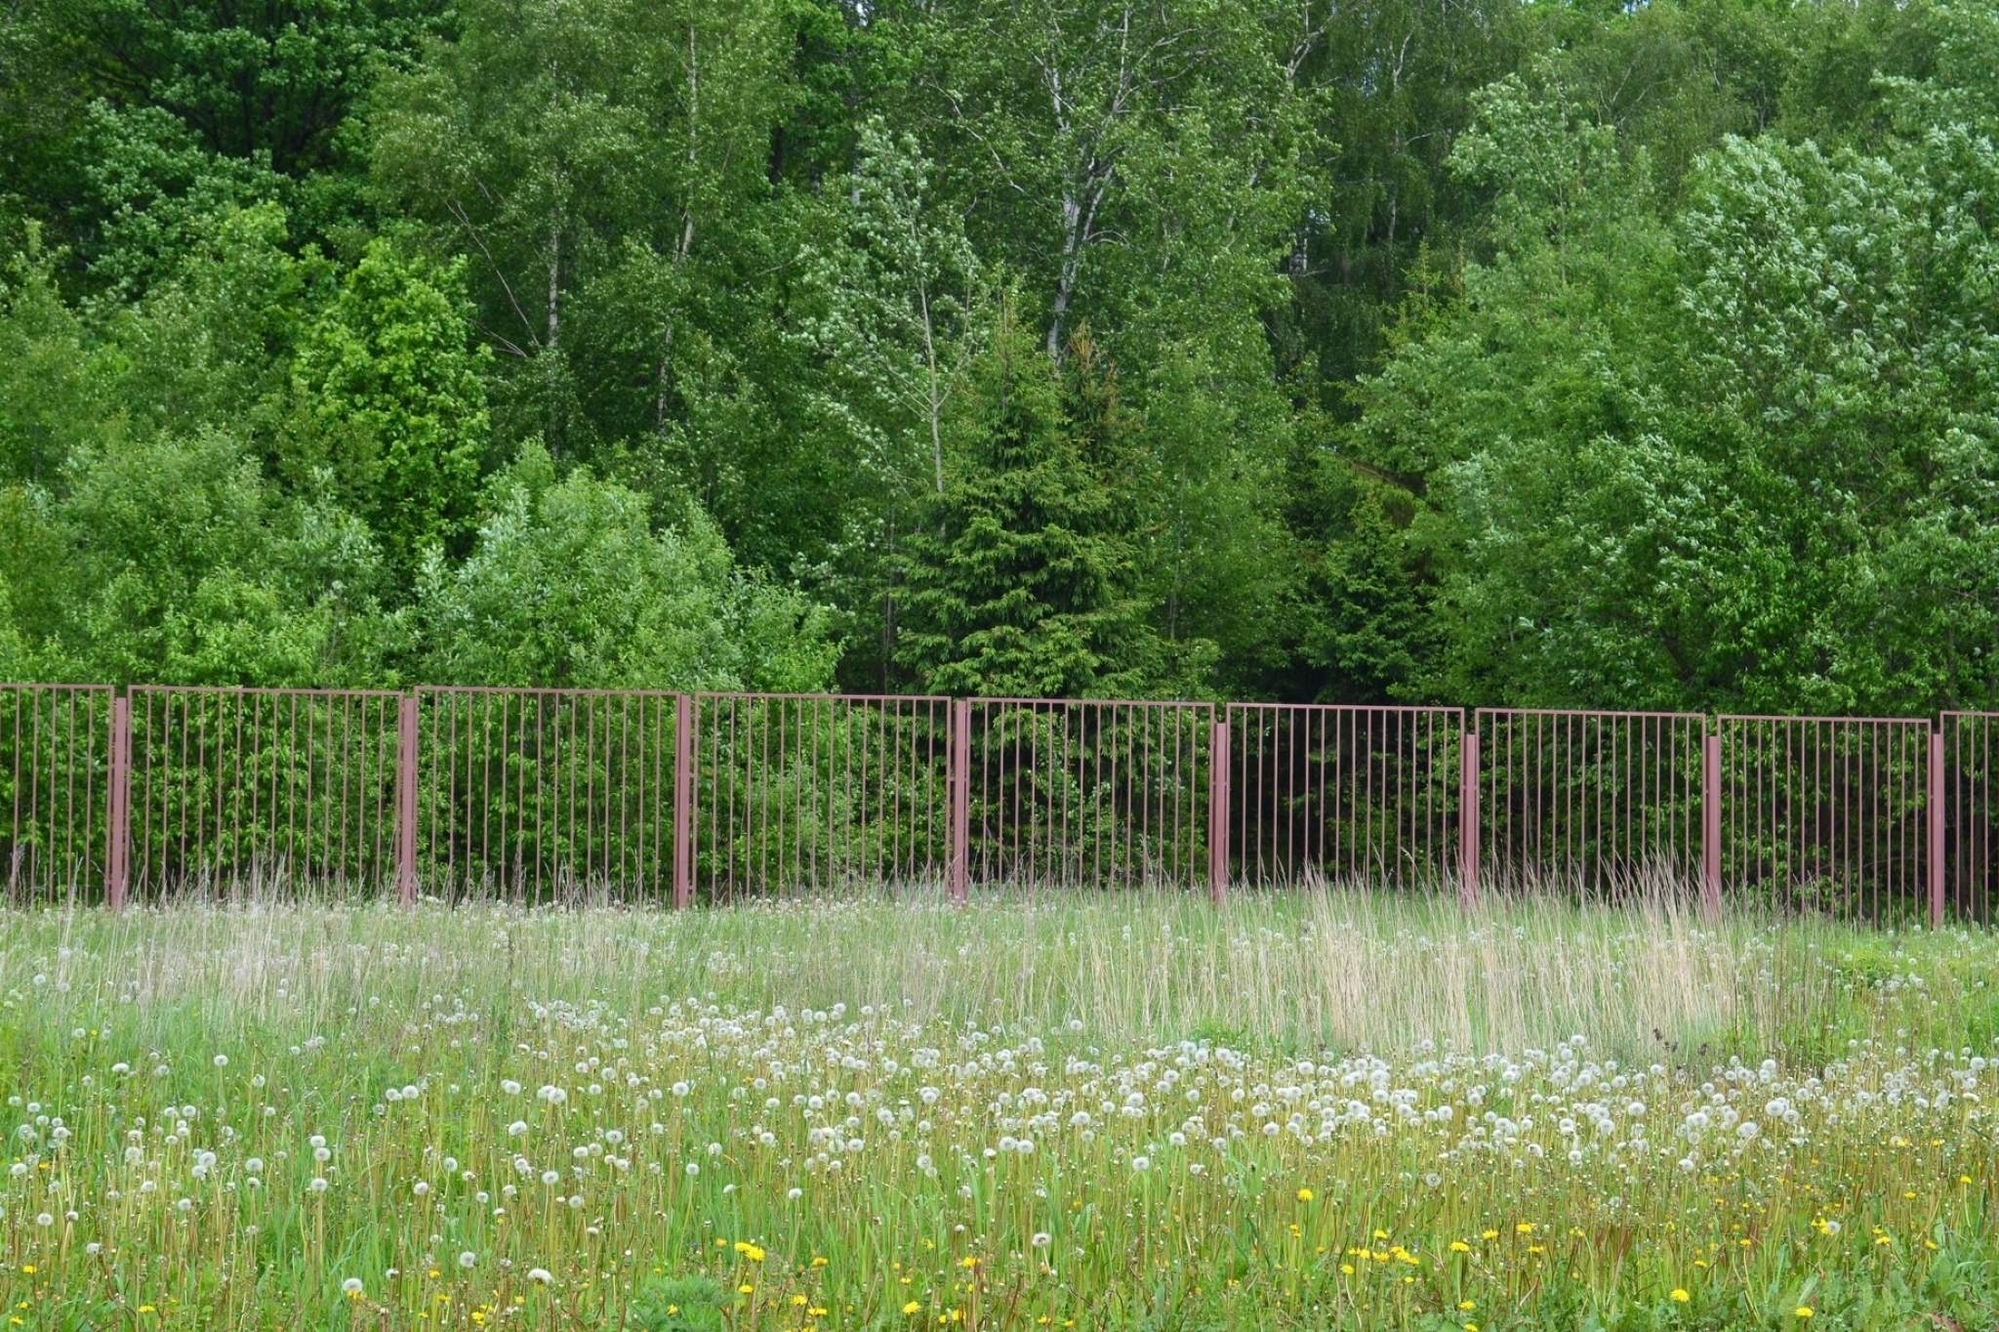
(1935, 866)
(1468, 793)
(959, 782)
(118, 811)
(406, 754)
(1711, 824)
(1218, 811)
(683, 801)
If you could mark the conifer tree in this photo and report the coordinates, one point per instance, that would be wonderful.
(1022, 581)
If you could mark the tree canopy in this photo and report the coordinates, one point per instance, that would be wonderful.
(1575, 354)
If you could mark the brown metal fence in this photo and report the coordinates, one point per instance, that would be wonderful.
(806, 792)
(1065, 792)
(568, 795)
(236, 791)
(1595, 803)
(1321, 794)
(1828, 813)
(54, 764)
(544, 795)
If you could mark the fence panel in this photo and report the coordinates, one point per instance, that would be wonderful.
(54, 759)
(1595, 804)
(1826, 814)
(545, 795)
(1971, 814)
(815, 791)
(1070, 793)
(1323, 793)
(262, 790)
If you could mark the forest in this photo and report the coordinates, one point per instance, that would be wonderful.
(1632, 355)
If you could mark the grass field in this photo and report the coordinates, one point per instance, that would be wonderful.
(1321, 1111)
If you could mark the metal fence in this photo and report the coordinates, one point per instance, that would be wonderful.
(566, 795)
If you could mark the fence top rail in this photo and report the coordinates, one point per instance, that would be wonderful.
(1593, 712)
(261, 691)
(1180, 704)
(1967, 714)
(29, 687)
(1723, 719)
(1399, 709)
(544, 691)
(749, 696)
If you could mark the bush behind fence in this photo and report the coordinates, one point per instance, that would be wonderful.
(550, 795)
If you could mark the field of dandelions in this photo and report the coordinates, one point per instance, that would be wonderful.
(1322, 1111)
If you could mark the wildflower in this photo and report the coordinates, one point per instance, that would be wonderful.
(1524, 1228)
(798, 1301)
(468, 1260)
(912, 1307)
(1804, 1311)
(1680, 1296)
(1042, 1239)
(1459, 1246)
(746, 1289)
(750, 1251)
(539, 1274)
(352, 1288)
(1466, 1306)
(1304, 1195)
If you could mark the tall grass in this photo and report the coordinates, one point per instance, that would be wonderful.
(1309, 1110)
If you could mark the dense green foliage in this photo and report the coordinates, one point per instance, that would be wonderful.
(1587, 353)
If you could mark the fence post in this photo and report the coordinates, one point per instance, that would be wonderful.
(1711, 824)
(1218, 810)
(959, 846)
(406, 754)
(118, 806)
(1936, 829)
(1468, 831)
(683, 802)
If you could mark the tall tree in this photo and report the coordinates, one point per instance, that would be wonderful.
(1022, 581)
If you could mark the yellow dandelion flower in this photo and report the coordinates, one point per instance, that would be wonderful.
(1524, 1228)
(1804, 1311)
(1488, 1234)
(1459, 1246)
(798, 1301)
(746, 1289)
(1466, 1306)
(1304, 1195)
(1680, 1296)
(912, 1307)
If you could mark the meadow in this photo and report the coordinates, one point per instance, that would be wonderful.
(1322, 1110)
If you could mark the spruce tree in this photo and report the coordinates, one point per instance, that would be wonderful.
(1021, 582)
